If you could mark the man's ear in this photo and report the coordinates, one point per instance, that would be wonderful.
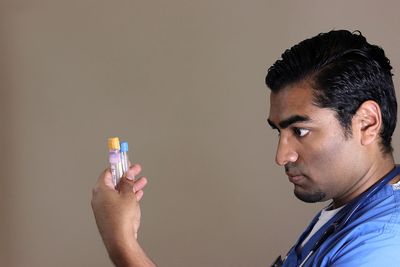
(369, 120)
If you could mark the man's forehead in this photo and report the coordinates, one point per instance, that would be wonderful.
(291, 100)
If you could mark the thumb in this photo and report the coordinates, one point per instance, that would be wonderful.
(125, 187)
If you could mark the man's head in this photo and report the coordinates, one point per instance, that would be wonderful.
(344, 70)
(334, 104)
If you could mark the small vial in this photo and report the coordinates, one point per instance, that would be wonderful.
(124, 157)
(114, 158)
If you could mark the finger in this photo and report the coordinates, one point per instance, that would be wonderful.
(125, 187)
(105, 179)
(140, 184)
(139, 194)
(104, 186)
(134, 170)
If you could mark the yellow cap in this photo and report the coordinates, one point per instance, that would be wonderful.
(113, 143)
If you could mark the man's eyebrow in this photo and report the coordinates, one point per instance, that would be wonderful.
(287, 122)
(273, 126)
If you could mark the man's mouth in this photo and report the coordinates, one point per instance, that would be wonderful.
(294, 175)
(295, 178)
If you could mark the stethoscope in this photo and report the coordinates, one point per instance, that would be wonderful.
(341, 220)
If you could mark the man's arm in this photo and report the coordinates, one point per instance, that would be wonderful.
(117, 214)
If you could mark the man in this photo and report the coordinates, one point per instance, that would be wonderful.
(334, 106)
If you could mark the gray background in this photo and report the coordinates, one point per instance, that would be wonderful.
(183, 82)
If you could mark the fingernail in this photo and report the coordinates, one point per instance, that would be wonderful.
(130, 178)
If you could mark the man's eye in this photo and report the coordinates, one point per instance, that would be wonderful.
(301, 132)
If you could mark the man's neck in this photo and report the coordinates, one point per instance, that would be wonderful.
(375, 173)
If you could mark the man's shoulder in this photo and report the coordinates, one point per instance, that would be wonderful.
(373, 234)
(380, 214)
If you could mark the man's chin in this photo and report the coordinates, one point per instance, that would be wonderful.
(310, 197)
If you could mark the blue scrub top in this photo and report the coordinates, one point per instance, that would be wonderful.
(370, 238)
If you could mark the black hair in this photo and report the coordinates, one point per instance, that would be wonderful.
(345, 71)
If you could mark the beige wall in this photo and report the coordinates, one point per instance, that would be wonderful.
(183, 82)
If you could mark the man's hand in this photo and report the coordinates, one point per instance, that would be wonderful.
(117, 214)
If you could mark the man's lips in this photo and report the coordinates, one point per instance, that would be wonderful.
(295, 178)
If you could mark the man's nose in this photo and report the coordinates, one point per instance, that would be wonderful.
(285, 152)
